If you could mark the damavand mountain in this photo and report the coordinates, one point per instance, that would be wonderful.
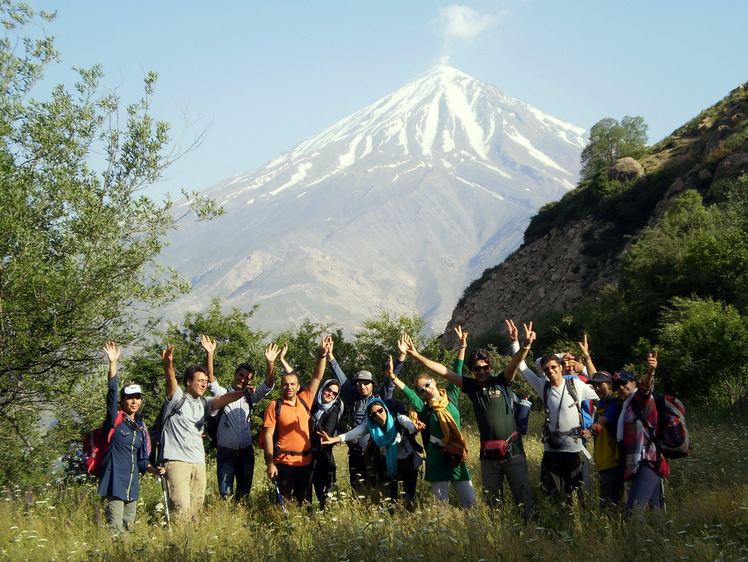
(395, 208)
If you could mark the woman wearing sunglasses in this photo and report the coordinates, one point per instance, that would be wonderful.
(327, 411)
(437, 415)
(389, 433)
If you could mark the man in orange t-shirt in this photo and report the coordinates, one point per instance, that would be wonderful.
(288, 448)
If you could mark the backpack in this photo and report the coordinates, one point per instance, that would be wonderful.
(211, 427)
(519, 408)
(95, 445)
(671, 436)
(276, 450)
(156, 432)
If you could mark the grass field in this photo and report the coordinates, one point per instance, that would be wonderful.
(706, 517)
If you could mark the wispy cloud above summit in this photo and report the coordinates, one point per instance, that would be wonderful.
(457, 21)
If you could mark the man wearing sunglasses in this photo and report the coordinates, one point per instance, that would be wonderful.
(502, 454)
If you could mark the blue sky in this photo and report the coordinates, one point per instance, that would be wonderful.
(263, 76)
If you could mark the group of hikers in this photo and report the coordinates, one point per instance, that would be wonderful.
(301, 428)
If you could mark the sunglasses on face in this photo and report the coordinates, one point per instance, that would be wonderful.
(377, 412)
(328, 391)
(364, 382)
(481, 368)
(424, 387)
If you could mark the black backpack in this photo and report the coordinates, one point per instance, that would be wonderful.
(156, 432)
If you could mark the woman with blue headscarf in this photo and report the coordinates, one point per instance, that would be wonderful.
(389, 433)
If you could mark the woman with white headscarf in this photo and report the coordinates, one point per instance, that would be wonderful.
(327, 411)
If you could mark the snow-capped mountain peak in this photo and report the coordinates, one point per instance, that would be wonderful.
(447, 163)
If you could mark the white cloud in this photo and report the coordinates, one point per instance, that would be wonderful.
(463, 22)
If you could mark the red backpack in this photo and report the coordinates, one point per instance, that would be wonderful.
(95, 446)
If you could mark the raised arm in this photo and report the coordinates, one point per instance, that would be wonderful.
(519, 357)
(319, 368)
(271, 353)
(390, 374)
(433, 366)
(112, 352)
(513, 333)
(282, 357)
(230, 396)
(167, 356)
(462, 336)
(112, 406)
(647, 381)
(584, 347)
(209, 345)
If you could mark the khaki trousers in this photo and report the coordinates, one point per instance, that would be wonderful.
(185, 482)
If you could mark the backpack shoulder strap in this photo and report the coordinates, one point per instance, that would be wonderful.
(303, 403)
(571, 387)
(509, 396)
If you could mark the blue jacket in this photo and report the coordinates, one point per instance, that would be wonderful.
(124, 459)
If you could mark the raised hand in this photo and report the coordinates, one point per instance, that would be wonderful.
(410, 346)
(530, 335)
(167, 354)
(652, 362)
(208, 343)
(462, 336)
(271, 353)
(112, 351)
(402, 345)
(283, 351)
(584, 346)
(511, 329)
(390, 370)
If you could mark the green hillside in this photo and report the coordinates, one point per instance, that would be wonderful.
(673, 248)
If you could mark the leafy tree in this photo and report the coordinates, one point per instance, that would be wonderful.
(705, 343)
(79, 239)
(694, 250)
(236, 343)
(611, 140)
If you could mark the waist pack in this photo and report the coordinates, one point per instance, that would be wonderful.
(498, 449)
(452, 455)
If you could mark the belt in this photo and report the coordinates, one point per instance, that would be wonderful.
(234, 451)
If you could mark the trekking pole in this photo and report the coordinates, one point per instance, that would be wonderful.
(166, 501)
(663, 506)
(280, 500)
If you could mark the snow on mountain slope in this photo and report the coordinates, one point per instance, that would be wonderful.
(395, 207)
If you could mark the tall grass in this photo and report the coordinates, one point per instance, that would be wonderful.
(707, 512)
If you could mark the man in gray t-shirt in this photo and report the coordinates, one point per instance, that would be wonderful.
(184, 456)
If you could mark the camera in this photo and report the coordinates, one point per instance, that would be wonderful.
(552, 439)
(249, 392)
(576, 433)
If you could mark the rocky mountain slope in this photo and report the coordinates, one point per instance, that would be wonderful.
(395, 208)
(574, 254)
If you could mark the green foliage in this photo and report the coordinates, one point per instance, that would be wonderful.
(705, 343)
(682, 289)
(694, 250)
(236, 343)
(377, 341)
(611, 140)
(79, 240)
